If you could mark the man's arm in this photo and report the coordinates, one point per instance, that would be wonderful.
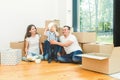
(66, 44)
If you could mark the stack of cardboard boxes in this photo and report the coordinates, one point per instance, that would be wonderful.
(18, 45)
(96, 60)
(98, 57)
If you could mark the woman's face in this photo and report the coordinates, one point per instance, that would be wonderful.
(33, 30)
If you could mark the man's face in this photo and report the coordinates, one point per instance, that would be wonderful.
(65, 31)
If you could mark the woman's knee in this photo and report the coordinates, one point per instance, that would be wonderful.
(45, 57)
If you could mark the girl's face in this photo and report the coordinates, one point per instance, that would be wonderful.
(33, 30)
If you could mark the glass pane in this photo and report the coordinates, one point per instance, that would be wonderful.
(97, 15)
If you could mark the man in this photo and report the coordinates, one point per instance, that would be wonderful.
(70, 45)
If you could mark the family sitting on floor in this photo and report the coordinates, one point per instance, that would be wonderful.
(53, 45)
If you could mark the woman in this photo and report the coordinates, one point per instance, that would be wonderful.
(32, 43)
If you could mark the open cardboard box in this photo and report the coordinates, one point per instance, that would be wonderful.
(102, 63)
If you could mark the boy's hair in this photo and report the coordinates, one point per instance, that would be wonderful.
(53, 24)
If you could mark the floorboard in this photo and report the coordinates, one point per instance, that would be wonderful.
(49, 71)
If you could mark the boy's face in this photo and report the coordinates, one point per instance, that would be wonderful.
(53, 28)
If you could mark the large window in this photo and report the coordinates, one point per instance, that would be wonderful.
(96, 15)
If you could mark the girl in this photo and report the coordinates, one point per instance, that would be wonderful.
(32, 43)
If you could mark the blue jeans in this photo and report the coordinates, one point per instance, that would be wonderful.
(67, 58)
(34, 54)
(50, 51)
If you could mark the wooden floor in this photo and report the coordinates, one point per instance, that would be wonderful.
(49, 71)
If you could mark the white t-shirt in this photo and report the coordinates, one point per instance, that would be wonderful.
(73, 47)
(34, 44)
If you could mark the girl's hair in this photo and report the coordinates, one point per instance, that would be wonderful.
(28, 34)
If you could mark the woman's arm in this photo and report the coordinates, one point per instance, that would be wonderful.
(26, 47)
(41, 48)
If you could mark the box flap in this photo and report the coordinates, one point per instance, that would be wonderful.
(93, 56)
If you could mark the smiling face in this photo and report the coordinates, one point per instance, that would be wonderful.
(33, 30)
(66, 31)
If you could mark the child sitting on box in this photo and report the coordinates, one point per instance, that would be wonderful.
(32, 44)
(50, 51)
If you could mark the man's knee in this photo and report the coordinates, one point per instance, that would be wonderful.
(77, 59)
(59, 58)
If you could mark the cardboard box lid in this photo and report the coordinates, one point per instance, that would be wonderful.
(98, 56)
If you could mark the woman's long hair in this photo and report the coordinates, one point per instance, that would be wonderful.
(28, 34)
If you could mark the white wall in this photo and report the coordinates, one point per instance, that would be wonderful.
(15, 15)
(65, 12)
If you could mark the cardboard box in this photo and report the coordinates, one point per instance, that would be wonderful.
(107, 64)
(55, 21)
(98, 48)
(43, 38)
(18, 45)
(81, 45)
(85, 37)
(40, 31)
(60, 31)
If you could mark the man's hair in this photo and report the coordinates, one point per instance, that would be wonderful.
(67, 27)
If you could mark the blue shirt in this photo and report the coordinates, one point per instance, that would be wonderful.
(51, 36)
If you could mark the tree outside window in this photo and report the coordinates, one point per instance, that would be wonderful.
(97, 16)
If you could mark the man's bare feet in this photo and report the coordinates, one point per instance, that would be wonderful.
(58, 54)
